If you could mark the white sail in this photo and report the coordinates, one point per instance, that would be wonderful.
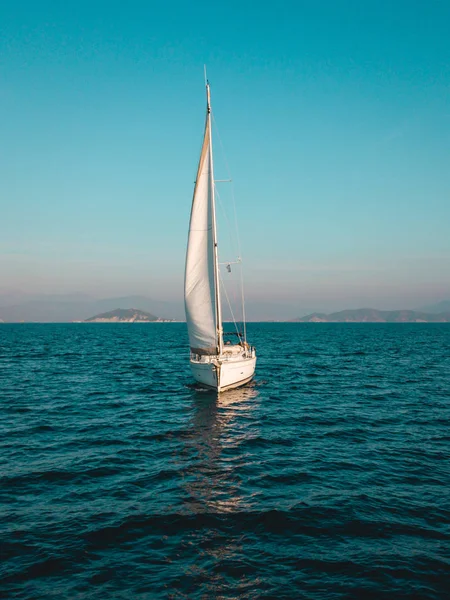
(199, 282)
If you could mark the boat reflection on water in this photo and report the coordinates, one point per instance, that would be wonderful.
(221, 423)
(213, 460)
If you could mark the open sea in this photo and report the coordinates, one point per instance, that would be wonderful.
(328, 477)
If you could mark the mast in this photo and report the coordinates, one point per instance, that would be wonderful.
(214, 230)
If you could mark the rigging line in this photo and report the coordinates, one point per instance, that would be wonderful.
(224, 212)
(244, 323)
(227, 167)
(236, 225)
(238, 262)
(229, 305)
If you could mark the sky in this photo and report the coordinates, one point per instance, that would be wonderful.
(333, 120)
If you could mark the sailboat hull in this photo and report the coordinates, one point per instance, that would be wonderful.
(222, 375)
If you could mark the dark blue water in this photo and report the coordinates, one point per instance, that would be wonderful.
(329, 477)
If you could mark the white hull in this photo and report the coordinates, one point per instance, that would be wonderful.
(223, 374)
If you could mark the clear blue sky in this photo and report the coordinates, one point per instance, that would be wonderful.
(334, 115)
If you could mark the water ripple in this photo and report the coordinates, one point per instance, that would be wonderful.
(325, 478)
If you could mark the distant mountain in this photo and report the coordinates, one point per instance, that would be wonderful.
(440, 307)
(65, 308)
(17, 306)
(371, 315)
(123, 315)
(165, 310)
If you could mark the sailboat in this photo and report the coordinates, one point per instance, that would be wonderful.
(214, 363)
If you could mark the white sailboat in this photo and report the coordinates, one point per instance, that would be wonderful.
(214, 364)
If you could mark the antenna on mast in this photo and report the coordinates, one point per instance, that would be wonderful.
(208, 95)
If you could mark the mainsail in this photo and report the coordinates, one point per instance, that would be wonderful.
(200, 283)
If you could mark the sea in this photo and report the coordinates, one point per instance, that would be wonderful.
(328, 477)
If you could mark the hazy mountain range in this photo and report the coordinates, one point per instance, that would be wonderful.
(124, 315)
(371, 315)
(440, 307)
(16, 306)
